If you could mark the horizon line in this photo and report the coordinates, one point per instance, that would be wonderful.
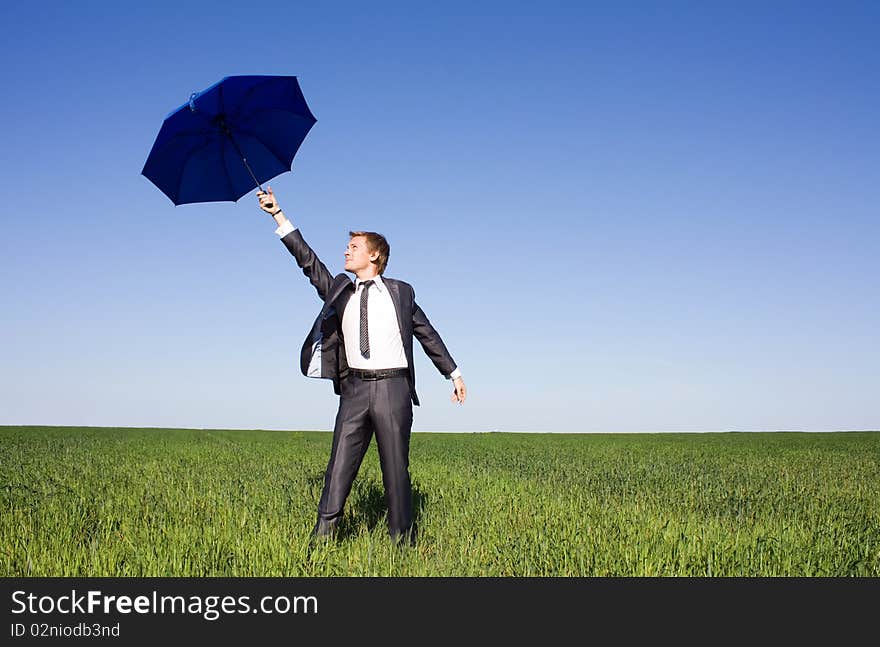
(476, 431)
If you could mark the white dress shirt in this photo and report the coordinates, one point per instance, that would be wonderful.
(386, 344)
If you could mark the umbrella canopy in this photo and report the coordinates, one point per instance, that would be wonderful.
(228, 139)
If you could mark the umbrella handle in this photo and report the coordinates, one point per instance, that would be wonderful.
(247, 166)
(268, 205)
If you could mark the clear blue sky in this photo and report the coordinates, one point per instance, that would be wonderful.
(621, 216)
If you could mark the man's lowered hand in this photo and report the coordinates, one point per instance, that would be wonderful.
(460, 392)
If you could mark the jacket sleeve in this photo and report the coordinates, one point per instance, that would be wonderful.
(311, 265)
(431, 342)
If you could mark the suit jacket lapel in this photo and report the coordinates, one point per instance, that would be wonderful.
(340, 283)
(394, 291)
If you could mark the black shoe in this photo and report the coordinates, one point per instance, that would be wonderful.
(326, 529)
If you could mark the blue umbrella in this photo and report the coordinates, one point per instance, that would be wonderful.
(228, 139)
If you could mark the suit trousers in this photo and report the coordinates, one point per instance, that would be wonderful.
(383, 407)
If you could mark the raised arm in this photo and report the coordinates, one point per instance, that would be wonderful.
(305, 256)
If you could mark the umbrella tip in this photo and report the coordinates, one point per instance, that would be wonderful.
(192, 99)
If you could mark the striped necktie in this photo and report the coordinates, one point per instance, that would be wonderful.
(365, 336)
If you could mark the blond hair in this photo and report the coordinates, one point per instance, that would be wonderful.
(375, 243)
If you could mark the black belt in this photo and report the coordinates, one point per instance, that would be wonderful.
(380, 374)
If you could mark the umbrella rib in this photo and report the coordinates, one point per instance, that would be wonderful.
(264, 145)
(223, 150)
(250, 91)
(308, 117)
(179, 135)
(185, 164)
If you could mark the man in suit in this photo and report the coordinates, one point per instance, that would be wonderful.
(363, 341)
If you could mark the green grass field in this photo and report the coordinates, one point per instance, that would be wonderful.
(177, 502)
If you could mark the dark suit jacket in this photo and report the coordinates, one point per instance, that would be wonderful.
(323, 352)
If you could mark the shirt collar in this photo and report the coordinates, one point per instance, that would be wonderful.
(377, 282)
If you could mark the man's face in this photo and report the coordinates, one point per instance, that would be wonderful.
(357, 256)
